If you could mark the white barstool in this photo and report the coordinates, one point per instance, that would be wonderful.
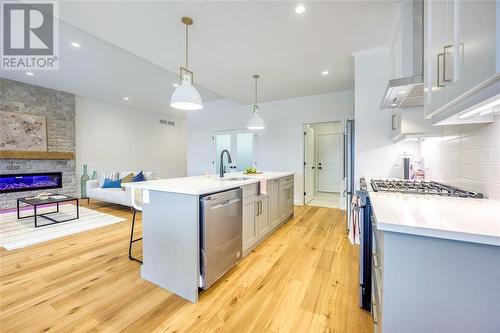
(136, 206)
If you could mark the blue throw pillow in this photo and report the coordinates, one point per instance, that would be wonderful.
(139, 177)
(108, 183)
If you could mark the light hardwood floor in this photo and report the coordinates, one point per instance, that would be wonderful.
(304, 278)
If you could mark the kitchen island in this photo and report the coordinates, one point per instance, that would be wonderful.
(171, 222)
(435, 264)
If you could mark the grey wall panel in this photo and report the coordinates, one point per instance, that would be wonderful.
(171, 242)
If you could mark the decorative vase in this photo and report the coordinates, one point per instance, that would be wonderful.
(83, 182)
(94, 175)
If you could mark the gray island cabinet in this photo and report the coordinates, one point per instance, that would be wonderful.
(171, 223)
(435, 264)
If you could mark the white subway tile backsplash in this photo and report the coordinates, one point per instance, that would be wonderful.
(480, 157)
(495, 174)
(453, 130)
(478, 137)
(451, 144)
(466, 156)
(475, 172)
(495, 136)
(494, 192)
(451, 170)
(495, 156)
(451, 157)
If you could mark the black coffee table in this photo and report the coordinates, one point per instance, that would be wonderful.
(50, 200)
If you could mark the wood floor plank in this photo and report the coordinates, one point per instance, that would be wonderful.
(303, 278)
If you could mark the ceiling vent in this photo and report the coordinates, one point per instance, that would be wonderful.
(167, 122)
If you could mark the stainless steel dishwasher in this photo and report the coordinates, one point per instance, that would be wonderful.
(221, 234)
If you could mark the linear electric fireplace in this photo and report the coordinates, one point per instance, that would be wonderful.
(30, 181)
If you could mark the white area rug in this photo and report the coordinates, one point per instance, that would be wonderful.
(15, 234)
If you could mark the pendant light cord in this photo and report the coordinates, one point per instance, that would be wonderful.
(187, 27)
(255, 91)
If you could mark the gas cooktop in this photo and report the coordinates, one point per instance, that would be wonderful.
(421, 187)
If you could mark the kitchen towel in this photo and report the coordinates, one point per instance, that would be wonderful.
(354, 227)
(263, 184)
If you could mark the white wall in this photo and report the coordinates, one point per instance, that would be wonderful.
(280, 145)
(466, 156)
(111, 137)
(376, 155)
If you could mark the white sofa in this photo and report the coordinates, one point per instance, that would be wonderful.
(120, 196)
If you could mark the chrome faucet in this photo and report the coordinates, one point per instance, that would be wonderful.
(221, 171)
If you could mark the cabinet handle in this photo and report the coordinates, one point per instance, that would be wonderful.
(439, 70)
(444, 62)
(260, 207)
(257, 207)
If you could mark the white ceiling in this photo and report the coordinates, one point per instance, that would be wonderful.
(135, 48)
(102, 71)
(230, 41)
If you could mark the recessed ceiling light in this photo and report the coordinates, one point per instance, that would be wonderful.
(324, 73)
(76, 45)
(300, 9)
(394, 104)
(402, 92)
(125, 98)
(30, 73)
(176, 85)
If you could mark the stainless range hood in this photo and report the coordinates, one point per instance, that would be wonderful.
(408, 91)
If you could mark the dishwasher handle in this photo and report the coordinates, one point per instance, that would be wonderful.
(225, 203)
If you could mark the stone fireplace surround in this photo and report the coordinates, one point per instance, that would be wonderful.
(59, 109)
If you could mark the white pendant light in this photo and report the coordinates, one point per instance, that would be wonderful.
(185, 96)
(256, 122)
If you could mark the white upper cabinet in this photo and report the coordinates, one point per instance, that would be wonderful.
(474, 45)
(437, 35)
(460, 56)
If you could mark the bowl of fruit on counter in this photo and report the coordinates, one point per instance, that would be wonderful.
(251, 171)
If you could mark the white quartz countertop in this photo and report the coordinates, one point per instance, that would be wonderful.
(198, 185)
(462, 219)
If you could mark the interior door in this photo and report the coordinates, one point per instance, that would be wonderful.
(329, 162)
(222, 141)
(245, 150)
(349, 168)
(242, 145)
(309, 164)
